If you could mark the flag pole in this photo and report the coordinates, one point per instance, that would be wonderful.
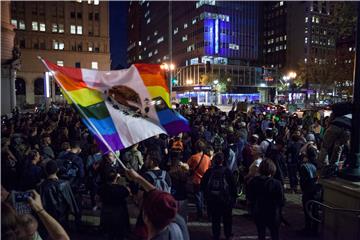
(86, 118)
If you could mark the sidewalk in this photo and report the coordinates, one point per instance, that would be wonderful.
(243, 227)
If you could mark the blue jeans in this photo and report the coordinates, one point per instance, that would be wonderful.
(199, 201)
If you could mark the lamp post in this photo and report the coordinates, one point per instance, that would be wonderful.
(353, 171)
(169, 68)
(290, 77)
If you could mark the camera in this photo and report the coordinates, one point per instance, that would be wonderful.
(22, 196)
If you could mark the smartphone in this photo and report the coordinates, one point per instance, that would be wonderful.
(20, 202)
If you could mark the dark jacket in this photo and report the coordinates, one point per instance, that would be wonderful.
(228, 178)
(266, 198)
(58, 199)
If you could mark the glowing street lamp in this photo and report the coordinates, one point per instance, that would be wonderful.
(189, 82)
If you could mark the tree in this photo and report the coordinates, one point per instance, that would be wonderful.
(224, 83)
(344, 20)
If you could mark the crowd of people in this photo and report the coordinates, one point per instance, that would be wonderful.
(52, 156)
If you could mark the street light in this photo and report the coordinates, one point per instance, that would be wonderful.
(169, 67)
(189, 82)
(216, 82)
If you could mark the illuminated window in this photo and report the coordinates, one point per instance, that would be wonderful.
(60, 63)
(96, 2)
(176, 30)
(306, 19)
(184, 38)
(185, 25)
(35, 26)
(42, 27)
(155, 52)
(160, 40)
(139, 43)
(14, 22)
(305, 60)
(72, 29)
(21, 25)
(94, 65)
(155, 33)
(54, 27)
(281, 3)
(148, 21)
(55, 45)
(79, 30)
(61, 46)
(306, 40)
(61, 28)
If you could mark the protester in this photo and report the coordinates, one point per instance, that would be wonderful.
(220, 194)
(198, 163)
(266, 197)
(114, 212)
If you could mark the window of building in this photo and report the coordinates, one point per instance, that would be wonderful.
(306, 40)
(79, 47)
(281, 3)
(60, 63)
(61, 46)
(55, 45)
(185, 25)
(54, 27)
(194, 21)
(139, 43)
(42, 27)
(35, 26)
(21, 25)
(155, 33)
(72, 14)
(148, 38)
(184, 38)
(150, 54)
(61, 28)
(90, 16)
(94, 65)
(176, 30)
(72, 29)
(79, 30)
(155, 52)
(90, 47)
(350, 49)
(36, 45)
(160, 39)
(96, 16)
(148, 21)
(42, 44)
(305, 60)
(306, 19)
(79, 15)
(77, 65)
(14, 22)
(96, 2)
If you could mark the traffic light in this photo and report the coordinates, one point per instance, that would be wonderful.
(174, 81)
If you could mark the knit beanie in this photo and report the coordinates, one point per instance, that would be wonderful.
(160, 208)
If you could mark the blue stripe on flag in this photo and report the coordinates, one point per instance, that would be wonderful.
(167, 116)
(104, 126)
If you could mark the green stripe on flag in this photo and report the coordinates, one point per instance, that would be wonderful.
(98, 111)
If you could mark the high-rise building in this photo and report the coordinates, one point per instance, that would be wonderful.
(68, 33)
(206, 37)
(297, 32)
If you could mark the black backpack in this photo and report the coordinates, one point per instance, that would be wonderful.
(217, 187)
(69, 170)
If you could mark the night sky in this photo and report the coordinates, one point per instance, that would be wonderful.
(118, 33)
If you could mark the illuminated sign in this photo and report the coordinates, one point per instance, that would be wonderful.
(217, 36)
(202, 88)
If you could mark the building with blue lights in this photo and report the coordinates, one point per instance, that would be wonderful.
(217, 39)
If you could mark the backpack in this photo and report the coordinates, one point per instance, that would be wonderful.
(69, 170)
(217, 187)
(160, 181)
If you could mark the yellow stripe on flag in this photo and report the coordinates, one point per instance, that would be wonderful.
(159, 92)
(65, 94)
(85, 96)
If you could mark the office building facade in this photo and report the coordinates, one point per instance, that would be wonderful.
(199, 37)
(297, 32)
(74, 34)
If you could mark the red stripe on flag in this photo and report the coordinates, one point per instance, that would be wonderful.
(152, 75)
(70, 78)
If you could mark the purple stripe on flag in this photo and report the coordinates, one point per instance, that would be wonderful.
(176, 127)
(112, 140)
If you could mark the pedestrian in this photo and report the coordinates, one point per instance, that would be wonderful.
(220, 195)
(198, 163)
(266, 198)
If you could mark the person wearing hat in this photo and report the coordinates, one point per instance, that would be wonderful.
(160, 212)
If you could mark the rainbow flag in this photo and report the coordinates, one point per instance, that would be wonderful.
(122, 107)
